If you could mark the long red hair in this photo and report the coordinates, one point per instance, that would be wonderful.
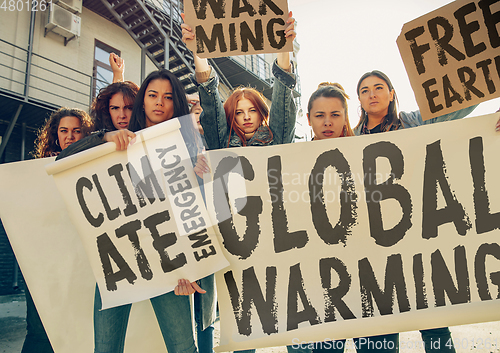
(258, 102)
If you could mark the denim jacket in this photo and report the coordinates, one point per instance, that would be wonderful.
(413, 119)
(282, 114)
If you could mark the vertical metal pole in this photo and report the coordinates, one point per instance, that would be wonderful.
(23, 140)
(30, 54)
(143, 65)
(166, 55)
(91, 95)
(15, 282)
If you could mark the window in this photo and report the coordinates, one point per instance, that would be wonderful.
(261, 66)
(103, 75)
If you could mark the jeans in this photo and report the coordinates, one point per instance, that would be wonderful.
(204, 338)
(36, 340)
(438, 340)
(289, 348)
(172, 312)
(377, 344)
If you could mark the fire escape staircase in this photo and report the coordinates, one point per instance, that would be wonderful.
(155, 27)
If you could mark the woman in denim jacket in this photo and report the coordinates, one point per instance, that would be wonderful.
(221, 126)
(279, 129)
(245, 119)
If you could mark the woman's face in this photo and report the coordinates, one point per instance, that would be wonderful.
(69, 131)
(196, 112)
(119, 111)
(327, 118)
(158, 102)
(247, 117)
(375, 96)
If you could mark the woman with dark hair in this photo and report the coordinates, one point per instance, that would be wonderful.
(146, 112)
(379, 113)
(112, 108)
(161, 97)
(327, 112)
(64, 127)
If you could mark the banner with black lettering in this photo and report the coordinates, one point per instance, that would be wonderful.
(140, 214)
(452, 56)
(358, 236)
(54, 264)
(224, 28)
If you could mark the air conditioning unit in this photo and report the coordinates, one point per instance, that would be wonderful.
(74, 6)
(63, 22)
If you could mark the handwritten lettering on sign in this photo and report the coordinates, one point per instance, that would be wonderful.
(365, 236)
(452, 56)
(140, 214)
(237, 27)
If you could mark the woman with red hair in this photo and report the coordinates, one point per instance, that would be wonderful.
(245, 119)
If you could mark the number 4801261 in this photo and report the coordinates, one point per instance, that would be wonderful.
(25, 5)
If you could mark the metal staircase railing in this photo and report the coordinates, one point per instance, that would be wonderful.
(155, 27)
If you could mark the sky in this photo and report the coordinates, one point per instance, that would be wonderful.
(341, 40)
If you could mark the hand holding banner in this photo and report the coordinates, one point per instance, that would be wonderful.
(140, 214)
(364, 236)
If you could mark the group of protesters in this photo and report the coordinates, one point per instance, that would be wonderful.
(244, 119)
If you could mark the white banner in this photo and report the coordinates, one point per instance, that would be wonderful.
(358, 236)
(55, 266)
(319, 257)
(140, 215)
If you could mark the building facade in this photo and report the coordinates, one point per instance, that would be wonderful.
(56, 54)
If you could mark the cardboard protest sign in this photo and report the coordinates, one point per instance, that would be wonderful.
(237, 27)
(140, 215)
(358, 236)
(54, 263)
(452, 56)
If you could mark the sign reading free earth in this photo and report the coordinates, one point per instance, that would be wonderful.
(452, 56)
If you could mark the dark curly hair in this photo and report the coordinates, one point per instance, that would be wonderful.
(99, 110)
(45, 144)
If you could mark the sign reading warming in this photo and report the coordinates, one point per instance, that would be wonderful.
(237, 27)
